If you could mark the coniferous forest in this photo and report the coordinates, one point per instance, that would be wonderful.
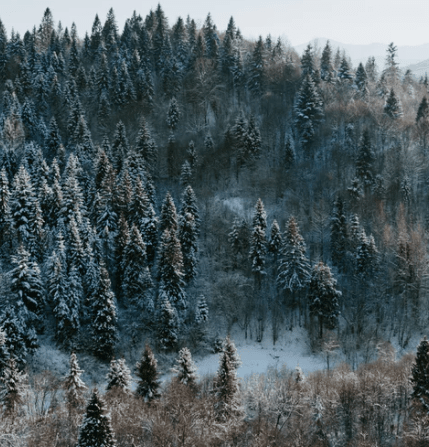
(164, 184)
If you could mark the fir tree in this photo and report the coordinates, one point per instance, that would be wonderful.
(96, 430)
(168, 220)
(14, 383)
(226, 385)
(308, 112)
(137, 281)
(104, 317)
(361, 82)
(323, 297)
(185, 369)
(73, 385)
(392, 106)
(294, 268)
(202, 311)
(119, 376)
(167, 324)
(4, 353)
(148, 385)
(188, 241)
(420, 375)
(256, 80)
(173, 114)
(339, 234)
(326, 67)
(275, 242)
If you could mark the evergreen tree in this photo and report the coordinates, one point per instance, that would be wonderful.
(344, 74)
(137, 281)
(420, 375)
(361, 82)
(170, 268)
(294, 268)
(27, 287)
(226, 385)
(275, 242)
(392, 106)
(167, 324)
(189, 205)
(119, 376)
(148, 385)
(308, 112)
(173, 114)
(6, 220)
(4, 354)
(256, 80)
(365, 160)
(96, 430)
(323, 297)
(188, 241)
(202, 311)
(168, 220)
(73, 385)
(146, 146)
(339, 235)
(104, 317)
(185, 369)
(120, 146)
(14, 383)
(326, 67)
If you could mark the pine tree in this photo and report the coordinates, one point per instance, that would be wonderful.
(275, 242)
(256, 80)
(188, 241)
(146, 146)
(344, 74)
(96, 429)
(168, 220)
(6, 221)
(119, 376)
(14, 383)
(189, 205)
(202, 311)
(73, 385)
(148, 385)
(420, 375)
(185, 369)
(226, 385)
(323, 297)
(104, 317)
(361, 82)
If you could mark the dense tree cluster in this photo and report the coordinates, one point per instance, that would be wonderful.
(130, 161)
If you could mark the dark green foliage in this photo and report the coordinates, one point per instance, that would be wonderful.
(392, 106)
(148, 377)
(339, 234)
(96, 429)
(323, 297)
(420, 375)
(12, 395)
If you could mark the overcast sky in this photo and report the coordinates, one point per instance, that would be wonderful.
(405, 22)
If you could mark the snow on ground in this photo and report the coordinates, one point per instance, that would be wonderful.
(290, 350)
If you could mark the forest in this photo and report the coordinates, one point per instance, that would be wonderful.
(165, 184)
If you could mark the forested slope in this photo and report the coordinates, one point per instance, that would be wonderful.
(165, 183)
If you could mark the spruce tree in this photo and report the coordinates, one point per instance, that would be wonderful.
(420, 375)
(4, 353)
(323, 297)
(73, 385)
(148, 385)
(339, 235)
(185, 369)
(392, 106)
(119, 376)
(188, 243)
(326, 67)
(294, 268)
(136, 282)
(365, 160)
(275, 242)
(173, 114)
(104, 332)
(168, 324)
(226, 385)
(14, 384)
(96, 429)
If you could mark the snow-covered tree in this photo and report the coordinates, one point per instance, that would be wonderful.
(96, 429)
(339, 234)
(73, 385)
(226, 384)
(148, 385)
(167, 324)
(188, 242)
(119, 376)
(14, 384)
(104, 332)
(185, 369)
(392, 106)
(323, 297)
(294, 268)
(173, 114)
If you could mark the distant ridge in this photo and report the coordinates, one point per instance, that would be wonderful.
(407, 55)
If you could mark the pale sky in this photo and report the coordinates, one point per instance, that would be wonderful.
(347, 21)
